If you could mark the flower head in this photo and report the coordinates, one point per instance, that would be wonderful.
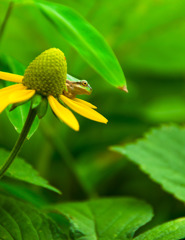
(46, 75)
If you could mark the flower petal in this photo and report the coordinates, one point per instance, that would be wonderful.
(11, 77)
(5, 92)
(14, 94)
(63, 113)
(84, 103)
(83, 110)
(21, 96)
(13, 88)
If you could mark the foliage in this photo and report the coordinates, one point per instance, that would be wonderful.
(21, 170)
(86, 40)
(161, 154)
(117, 218)
(21, 221)
(101, 188)
(172, 230)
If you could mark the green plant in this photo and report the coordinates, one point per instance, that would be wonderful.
(96, 187)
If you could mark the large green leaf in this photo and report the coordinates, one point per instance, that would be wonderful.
(105, 219)
(18, 116)
(20, 221)
(23, 171)
(173, 230)
(161, 154)
(85, 39)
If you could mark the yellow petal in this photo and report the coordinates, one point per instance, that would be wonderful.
(11, 77)
(5, 92)
(84, 103)
(16, 96)
(12, 88)
(21, 96)
(83, 110)
(63, 113)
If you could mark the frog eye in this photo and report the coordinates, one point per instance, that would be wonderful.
(84, 83)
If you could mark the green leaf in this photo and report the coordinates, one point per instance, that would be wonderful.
(21, 221)
(105, 219)
(21, 170)
(18, 116)
(21, 191)
(161, 154)
(86, 40)
(173, 230)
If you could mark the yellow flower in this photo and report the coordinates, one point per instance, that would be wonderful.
(45, 76)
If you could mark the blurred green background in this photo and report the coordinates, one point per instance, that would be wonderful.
(148, 39)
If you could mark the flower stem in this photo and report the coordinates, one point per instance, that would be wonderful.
(30, 118)
(10, 7)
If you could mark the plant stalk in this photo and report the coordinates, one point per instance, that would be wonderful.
(30, 118)
(10, 7)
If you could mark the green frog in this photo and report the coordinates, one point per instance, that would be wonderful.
(76, 87)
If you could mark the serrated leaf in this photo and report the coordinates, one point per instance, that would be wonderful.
(20, 221)
(173, 230)
(161, 154)
(105, 219)
(23, 171)
(18, 116)
(85, 39)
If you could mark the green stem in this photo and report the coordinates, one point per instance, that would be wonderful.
(31, 116)
(10, 7)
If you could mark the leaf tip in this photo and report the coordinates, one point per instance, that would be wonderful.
(123, 88)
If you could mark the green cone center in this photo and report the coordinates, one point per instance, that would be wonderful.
(47, 73)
